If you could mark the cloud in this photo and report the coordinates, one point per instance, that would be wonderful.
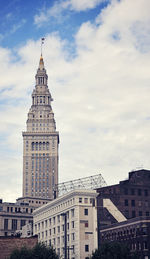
(101, 96)
(17, 26)
(58, 9)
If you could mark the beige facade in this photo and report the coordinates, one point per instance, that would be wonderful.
(40, 142)
(13, 216)
(80, 208)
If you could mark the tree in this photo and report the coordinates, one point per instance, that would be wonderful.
(113, 250)
(40, 251)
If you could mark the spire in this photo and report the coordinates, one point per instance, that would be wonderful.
(41, 63)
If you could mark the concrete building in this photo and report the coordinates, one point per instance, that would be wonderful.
(40, 142)
(79, 206)
(13, 216)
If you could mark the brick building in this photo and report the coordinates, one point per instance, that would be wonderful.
(134, 232)
(123, 212)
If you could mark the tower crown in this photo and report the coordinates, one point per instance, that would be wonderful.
(41, 63)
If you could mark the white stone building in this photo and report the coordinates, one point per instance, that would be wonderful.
(81, 210)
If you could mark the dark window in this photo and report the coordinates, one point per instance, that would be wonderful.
(125, 191)
(133, 203)
(140, 213)
(26, 210)
(132, 192)
(23, 222)
(139, 192)
(5, 224)
(133, 214)
(86, 248)
(80, 200)
(147, 213)
(7, 209)
(127, 213)
(145, 245)
(11, 209)
(146, 192)
(14, 224)
(126, 202)
(86, 224)
(86, 212)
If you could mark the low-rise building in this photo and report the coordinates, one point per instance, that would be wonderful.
(13, 216)
(133, 232)
(80, 209)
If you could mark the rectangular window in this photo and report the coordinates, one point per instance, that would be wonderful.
(86, 224)
(5, 224)
(146, 192)
(86, 248)
(133, 214)
(133, 203)
(126, 202)
(23, 222)
(132, 192)
(14, 224)
(85, 200)
(72, 213)
(86, 212)
(125, 191)
(140, 213)
(80, 200)
(139, 192)
(147, 213)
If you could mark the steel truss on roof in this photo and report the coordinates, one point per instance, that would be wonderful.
(87, 183)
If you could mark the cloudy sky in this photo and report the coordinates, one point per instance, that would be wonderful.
(97, 56)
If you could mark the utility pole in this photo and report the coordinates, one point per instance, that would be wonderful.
(65, 232)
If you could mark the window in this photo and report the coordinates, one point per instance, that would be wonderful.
(14, 224)
(23, 222)
(85, 200)
(73, 236)
(133, 214)
(126, 202)
(133, 203)
(86, 248)
(86, 224)
(72, 213)
(72, 224)
(5, 224)
(126, 191)
(58, 229)
(132, 192)
(80, 200)
(86, 212)
(140, 213)
(139, 192)
(146, 192)
(147, 213)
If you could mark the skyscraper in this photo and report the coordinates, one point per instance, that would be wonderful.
(40, 142)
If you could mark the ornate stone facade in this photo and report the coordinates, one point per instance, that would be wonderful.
(40, 142)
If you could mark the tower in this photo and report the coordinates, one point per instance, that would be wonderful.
(40, 142)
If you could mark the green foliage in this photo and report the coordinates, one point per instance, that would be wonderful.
(113, 250)
(40, 251)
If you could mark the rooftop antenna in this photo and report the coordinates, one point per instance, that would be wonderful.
(42, 42)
